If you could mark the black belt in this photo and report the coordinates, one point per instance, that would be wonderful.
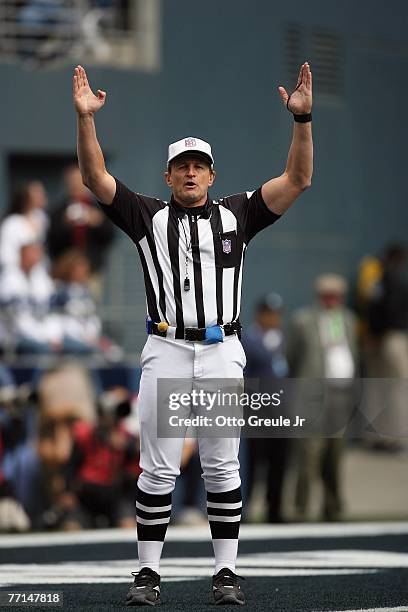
(196, 334)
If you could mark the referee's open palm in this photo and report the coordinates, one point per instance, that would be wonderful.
(85, 101)
(300, 101)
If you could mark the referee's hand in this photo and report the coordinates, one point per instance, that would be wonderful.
(301, 99)
(85, 101)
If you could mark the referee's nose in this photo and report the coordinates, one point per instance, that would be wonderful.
(191, 169)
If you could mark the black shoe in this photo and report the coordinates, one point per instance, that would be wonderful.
(226, 589)
(145, 591)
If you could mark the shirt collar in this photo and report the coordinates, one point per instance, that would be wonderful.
(196, 210)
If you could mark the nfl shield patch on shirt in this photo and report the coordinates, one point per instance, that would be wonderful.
(226, 245)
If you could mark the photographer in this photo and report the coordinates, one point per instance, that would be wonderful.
(18, 466)
(102, 469)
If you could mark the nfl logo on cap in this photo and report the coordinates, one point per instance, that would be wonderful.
(190, 142)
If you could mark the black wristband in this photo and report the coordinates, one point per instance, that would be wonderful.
(303, 118)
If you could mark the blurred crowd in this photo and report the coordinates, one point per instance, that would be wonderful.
(69, 454)
(43, 31)
(51, 270)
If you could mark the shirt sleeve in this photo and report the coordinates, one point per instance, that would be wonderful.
(126, 211)
(252, 213)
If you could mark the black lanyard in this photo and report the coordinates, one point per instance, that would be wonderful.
(186, 283)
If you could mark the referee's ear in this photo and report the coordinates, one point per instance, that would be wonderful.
(167, 176)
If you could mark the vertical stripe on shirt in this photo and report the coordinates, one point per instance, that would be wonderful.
(173, 243)
(159, 228)
(208, 270)
(236, 316)
(216, 226)
(159, 271)
(149, 274)
(231, 275)
(235, 290)
(198, 285)
(187, 297)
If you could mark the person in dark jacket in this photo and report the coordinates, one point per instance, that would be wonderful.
(388, 323)
(78, 223)
(263, 342)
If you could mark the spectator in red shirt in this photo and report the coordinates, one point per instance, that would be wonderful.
(101, 474)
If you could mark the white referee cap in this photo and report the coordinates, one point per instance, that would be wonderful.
(190, 145)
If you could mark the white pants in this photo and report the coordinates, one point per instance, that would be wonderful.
(160, 457)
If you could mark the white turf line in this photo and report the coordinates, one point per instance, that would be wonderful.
(387, 609)
(202, 533)
(301, 563)
(12, 577)
(257, 562)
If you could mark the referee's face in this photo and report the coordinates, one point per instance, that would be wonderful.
(189, 178)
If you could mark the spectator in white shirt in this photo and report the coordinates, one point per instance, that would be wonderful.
(25, 292)
(74, 303)
(25, 221)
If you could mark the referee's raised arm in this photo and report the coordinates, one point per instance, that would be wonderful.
(90, 156)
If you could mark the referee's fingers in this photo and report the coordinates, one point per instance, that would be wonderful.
(101, 95)
(283, 94)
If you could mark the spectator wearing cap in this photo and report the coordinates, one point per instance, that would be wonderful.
(322, 345)
(263, 342)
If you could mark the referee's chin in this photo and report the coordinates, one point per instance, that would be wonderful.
(190, 199)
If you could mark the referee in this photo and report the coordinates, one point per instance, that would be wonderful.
(192, 251)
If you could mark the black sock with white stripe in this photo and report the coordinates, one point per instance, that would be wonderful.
(153, 516)
(224, 515)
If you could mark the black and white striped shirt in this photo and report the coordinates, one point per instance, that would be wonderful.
(213, 238)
